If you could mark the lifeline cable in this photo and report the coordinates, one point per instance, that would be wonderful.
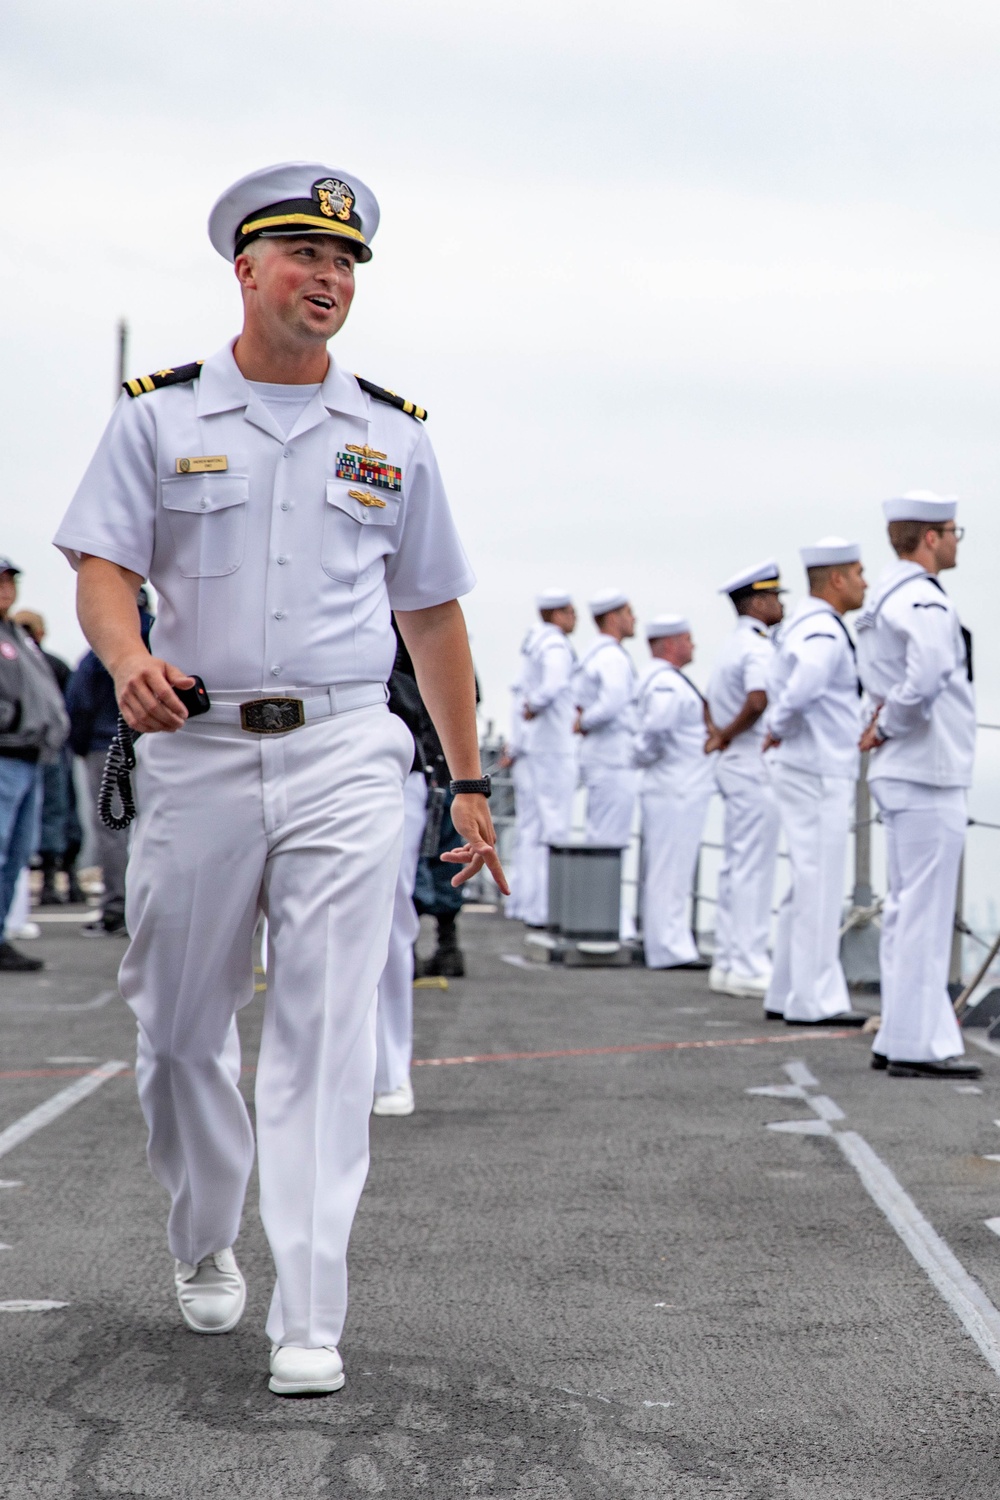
(116, 779)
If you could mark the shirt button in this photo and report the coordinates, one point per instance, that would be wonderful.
(279, 614)
(204, 505)
(282, 560)
(285, 505)
(275, 671)
(286, 454)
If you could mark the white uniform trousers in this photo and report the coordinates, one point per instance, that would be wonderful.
(308, 828)
(553, 782)
(672, 825)
(746, 878)
(808, 982)
(611, 794)
(394, 1016)
(924, 836)
(527, 829)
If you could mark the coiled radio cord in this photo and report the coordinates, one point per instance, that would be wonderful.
(116, 779)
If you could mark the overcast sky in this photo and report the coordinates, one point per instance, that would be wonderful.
(681, 285)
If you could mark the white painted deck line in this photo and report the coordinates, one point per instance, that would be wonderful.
(57, 1105)
(964, 1296)
(19, 1304)
(825, 1107)
(797, 1071)
(993, 1224)
(802, 1127)
(779, 1091)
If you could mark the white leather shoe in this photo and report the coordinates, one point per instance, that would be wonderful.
(398, 1102)
(304, 1372)
(212, 1294)
(748, 986)
(717, 979)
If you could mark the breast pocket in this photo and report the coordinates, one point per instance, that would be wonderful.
(207, 516)
(359, 529)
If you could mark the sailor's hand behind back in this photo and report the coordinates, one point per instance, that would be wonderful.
(470, 814)
(144, 687)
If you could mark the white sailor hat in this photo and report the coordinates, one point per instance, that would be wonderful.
(764, 578)
(662, 625)
(830, 551)
(607, 600)
(921, 505)
(295, 197)
(553, 599)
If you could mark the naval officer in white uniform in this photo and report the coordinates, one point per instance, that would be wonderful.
(737, 698)
(676, 779)
(550, 746)
(281, 507)
(813, 721)
(604, 686)
(916, 666)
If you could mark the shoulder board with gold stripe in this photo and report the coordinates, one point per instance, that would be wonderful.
(159, 378)
(379, 393)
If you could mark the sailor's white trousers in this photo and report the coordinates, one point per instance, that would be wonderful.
(746, 877)
(924, 837)
(394, 1015)
(553, 783)
(672, 823)
(306, 827)
(808, 982)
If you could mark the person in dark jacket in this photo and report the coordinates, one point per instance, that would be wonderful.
(93, 716)
(33, 728)
(61, 836)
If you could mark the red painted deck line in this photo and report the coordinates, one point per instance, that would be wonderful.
(497, 1057)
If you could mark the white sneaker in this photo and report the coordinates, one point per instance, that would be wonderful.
(212, 1294)
(750, 986)
(718, 979)
(305, 1372)
(398, 1102)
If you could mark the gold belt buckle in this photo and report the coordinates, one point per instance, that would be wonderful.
(272, 715)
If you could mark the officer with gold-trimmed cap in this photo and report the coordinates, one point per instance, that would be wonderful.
(283, 508)
(737, 698)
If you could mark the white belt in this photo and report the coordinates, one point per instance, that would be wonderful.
(279, 714)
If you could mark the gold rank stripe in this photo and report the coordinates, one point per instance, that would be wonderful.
(210, 463)
(343, 231)
(367, 498)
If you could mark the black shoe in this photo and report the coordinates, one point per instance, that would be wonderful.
(774, 1015)
(76, 895)
(425, 968)
(693, 963)
(105, 927)
(18, 963)
(846, 1018)
(879, 1062)
(49, 896)
(951, 1067)
(450, 963)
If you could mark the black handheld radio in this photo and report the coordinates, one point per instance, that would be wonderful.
(116, 780)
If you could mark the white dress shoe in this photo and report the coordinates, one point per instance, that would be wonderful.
(717, 979)
(212, 1294)
(750, 986)
(398, 1102)
(304, 1372)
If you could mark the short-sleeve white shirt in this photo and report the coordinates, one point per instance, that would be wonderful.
(271, 574)
(741, 668)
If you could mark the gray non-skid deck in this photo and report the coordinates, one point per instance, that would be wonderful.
(593, 1275)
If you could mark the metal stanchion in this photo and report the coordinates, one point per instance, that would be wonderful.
(859, 936)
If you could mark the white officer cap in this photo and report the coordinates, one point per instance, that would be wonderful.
(829, 552)
(553, 599)
(662, 625)
(607, 600)
(763, 578)
(921, 505)
(6, 566)
(295, 197)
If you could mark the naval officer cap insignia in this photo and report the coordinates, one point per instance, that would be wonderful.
(830, 553)
(607, 600)
(921, 505)
(663, 625)
(553, 599)
(762, 579)
(295, 197)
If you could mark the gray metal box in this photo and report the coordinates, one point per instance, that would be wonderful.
(585, 882)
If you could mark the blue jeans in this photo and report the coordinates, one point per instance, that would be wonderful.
(19, 805)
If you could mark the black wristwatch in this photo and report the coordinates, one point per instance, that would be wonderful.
(484, 786)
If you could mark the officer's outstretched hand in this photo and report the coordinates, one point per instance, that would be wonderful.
(470, 813)
(144, 687)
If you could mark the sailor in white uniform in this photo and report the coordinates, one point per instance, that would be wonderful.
(737, 698)
(527, 826)
(281, 507)
(549, 712)
(604, 686)
(813, 721)
(916, 666)
(675, 783)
